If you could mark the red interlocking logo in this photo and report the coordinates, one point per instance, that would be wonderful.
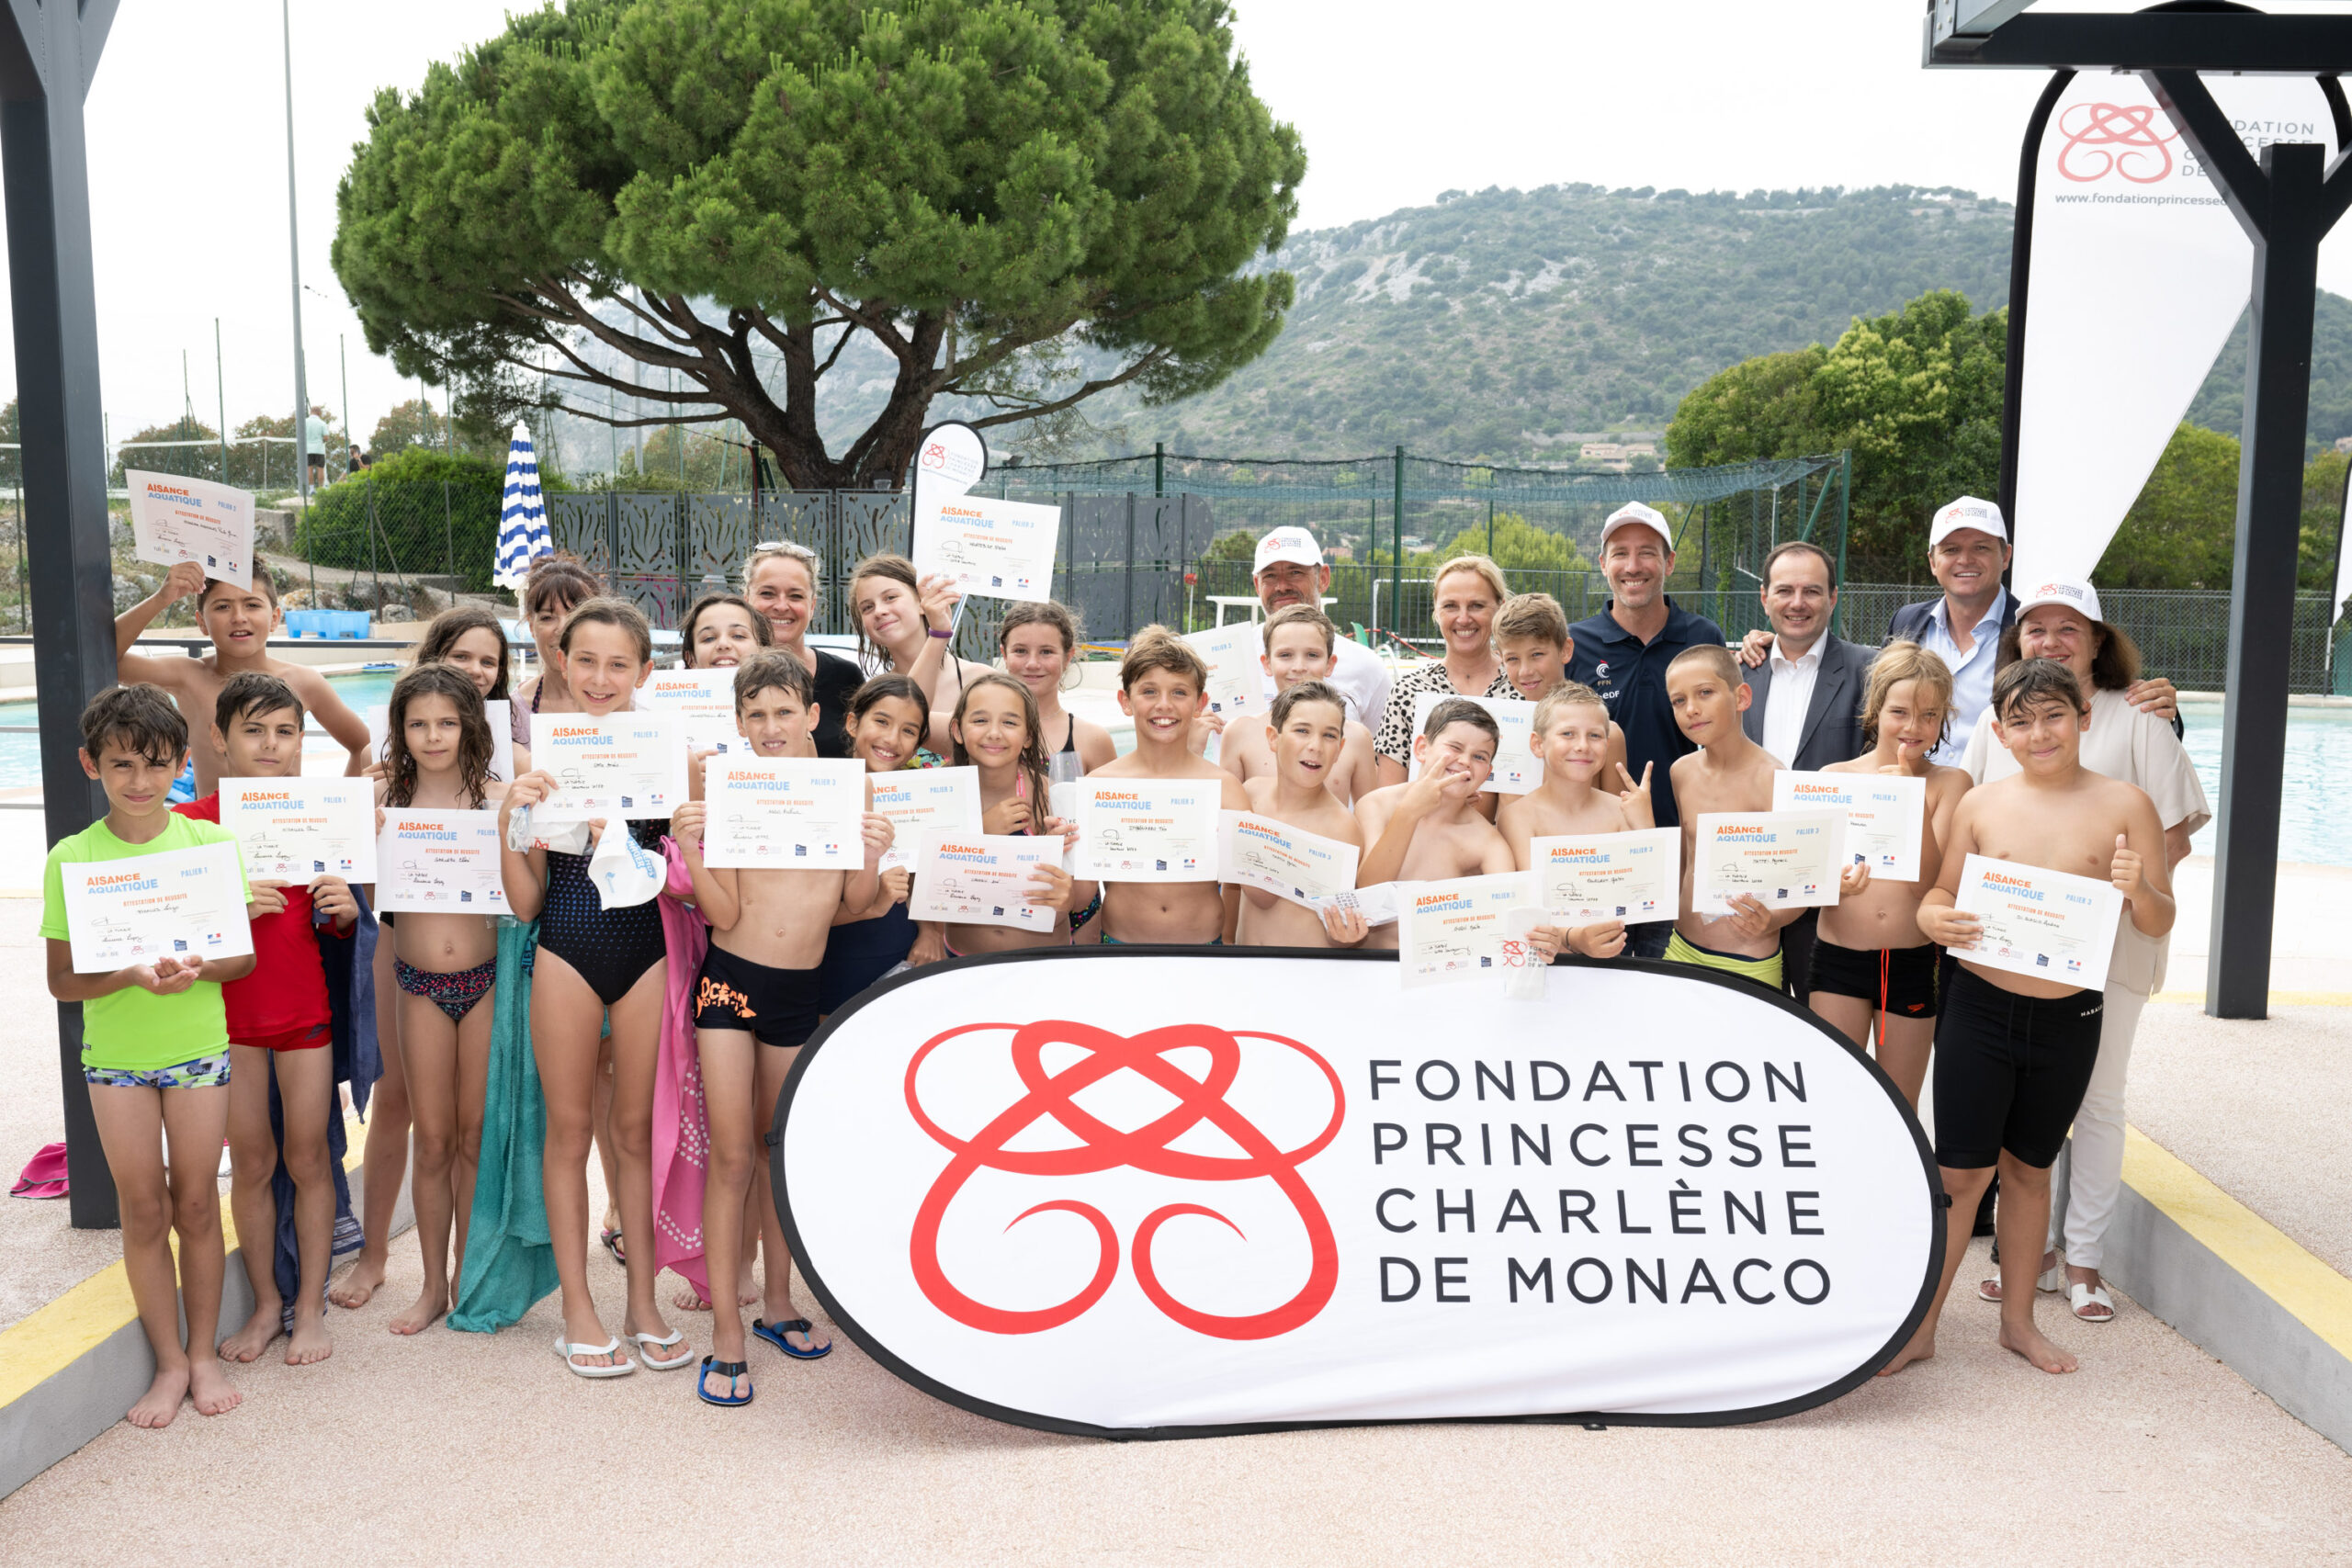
(2130, 140)
(1049, 1097)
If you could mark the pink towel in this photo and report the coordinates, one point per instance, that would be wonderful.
(681, 1131)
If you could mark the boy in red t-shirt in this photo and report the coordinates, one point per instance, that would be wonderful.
(279, 1017)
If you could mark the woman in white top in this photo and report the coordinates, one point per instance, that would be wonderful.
(2061, 621)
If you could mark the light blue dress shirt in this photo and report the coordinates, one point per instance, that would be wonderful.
(1971, 672)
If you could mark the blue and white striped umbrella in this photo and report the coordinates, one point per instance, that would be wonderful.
(523, 516)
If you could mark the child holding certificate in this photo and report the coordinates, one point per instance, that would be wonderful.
(720, 631)
(596, 965)
(888, 721)
(2015, 1050)
(444, 967)
(1309, 727)
(155, 1051)
(279, 1021)
(1727, 772)
(755, 1003)
(1301, 644)
(1574, 739)
(994, 728)
(1037, 641)
(1870, 962)
(1431, 830)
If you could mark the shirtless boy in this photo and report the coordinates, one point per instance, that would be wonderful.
(1310, 733)
(1531, 640)
(1870, 962)
(1727, 772)
(1572, 741)
(1429, 828)
(1301, 644)
(2014, 1053)
(239, 621)
(1163, 686)
(755, 1004)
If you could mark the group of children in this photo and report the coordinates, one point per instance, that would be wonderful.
(685, 1011)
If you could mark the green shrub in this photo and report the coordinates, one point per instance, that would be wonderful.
(418, 513)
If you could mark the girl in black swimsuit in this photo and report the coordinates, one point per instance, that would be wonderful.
(594, 963)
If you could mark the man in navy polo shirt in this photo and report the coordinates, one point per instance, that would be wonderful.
(1623, 653)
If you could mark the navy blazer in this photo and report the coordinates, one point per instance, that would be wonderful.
(1910, 623)
(1833, 717)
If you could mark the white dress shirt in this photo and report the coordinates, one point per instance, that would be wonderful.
(1971, 672)
(1793, 683)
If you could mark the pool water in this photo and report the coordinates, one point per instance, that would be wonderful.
(20, 755)
(2314, 827)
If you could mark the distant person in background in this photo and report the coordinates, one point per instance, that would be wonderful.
(1290, 569)
(314, 444)
(356, 461)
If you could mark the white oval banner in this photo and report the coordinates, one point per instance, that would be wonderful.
(1177, 1191)
(950, 460)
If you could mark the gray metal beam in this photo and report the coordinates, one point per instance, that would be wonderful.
(2248, 41)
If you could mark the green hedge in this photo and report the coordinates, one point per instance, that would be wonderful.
(417, 513)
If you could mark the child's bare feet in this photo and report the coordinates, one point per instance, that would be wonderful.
(249, 1342)
(2028, 1341)
(366, 1278)
(207, 1387)
(1921, 1349)
(430, 1305)
(161, 1400)
(309, 1342)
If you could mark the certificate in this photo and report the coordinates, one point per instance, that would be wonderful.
(630, 765)
(2049, 924)
(1455, 930)
(1236, 674)
(1004, 549)
(439, 862)
(1288, 862)
(1789, 860)
(1147, 829)
(784, 812)
(1517, 771)
(175, 519)
(292, 830)
(1377, 904)
(703, 701)
(499, 714)
(1885, 815)
(919, 800)
(183, 904)
(980, 879)
(1582, 878)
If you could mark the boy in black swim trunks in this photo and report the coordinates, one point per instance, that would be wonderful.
(755, 1004)
(2014, 1051)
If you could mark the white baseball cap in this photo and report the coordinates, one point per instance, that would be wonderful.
(1289, 545)
(2074, 595)
(1968, 511)
(1633, 512)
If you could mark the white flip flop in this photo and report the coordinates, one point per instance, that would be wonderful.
(2081, 1296)
(647, 1343)
(620, 1369)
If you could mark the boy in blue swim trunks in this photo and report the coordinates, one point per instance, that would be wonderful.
(155, 1053)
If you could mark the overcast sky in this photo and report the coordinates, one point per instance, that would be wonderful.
(188, 141)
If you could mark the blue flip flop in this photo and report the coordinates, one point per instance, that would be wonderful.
(730, 1370)
(773, 1333)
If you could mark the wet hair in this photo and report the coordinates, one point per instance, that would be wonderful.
(1031, 761)
(476, 746)
(884, 688)
(2030, 682)
(1486, 570)
(1039, 613)
(1461, 710)
(557, 579)
(1536, 616)
(1715, 657)
(1898, 662)
(891, 569)
(772, 669)
(609, 611)
(1157, 648)
(2115, 657)
(1301, 616)
(1309, 691)
(1566, 693)
(441, 635)
(263, 584)
(141, 720)
(762, 633)
(1801, 547)
(252, 691)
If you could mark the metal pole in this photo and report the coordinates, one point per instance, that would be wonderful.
(294, 251)
(1129, 619)
(1845, 492)
(1397, 537)
(1490, 527)
(1159, 468)
(343, 360)
(221, 387)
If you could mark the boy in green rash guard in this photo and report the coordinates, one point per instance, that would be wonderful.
(155, 1051)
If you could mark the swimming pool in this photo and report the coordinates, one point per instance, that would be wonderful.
(20, 753)
(2313, 826)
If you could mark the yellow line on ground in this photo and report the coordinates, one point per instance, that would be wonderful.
(2317, 1295)
(52, 1337)
(2277, 999)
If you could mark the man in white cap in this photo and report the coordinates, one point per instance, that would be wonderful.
(1290, 569)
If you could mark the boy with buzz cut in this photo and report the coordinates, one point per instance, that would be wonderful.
(239, 621)
(1163, 686)
(1727, 772)
(1310, 727)
(1429, 828)
(155, 1054)
(2014, 1053)
(1302, 645)
(279, 1020)
(1571, 735)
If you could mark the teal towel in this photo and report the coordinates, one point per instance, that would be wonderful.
(510, 1264)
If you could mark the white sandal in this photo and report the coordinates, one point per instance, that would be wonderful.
(647, 1343)
(619, 1369)
(2078, 1297)
(2050, 1281)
